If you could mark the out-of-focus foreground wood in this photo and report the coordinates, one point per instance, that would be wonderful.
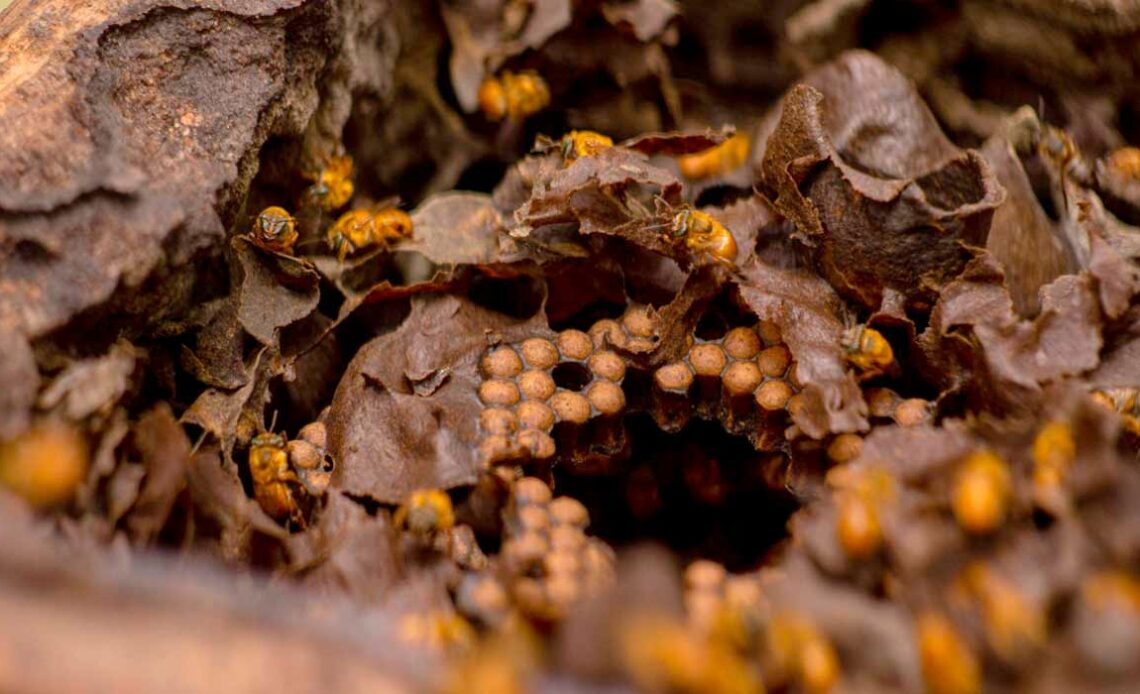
(87, 623)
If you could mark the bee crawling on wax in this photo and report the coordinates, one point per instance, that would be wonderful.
(332, 186)
(717, 160)
(702, 233)
(868, 351)
(273, 479)
(365, 227)
(426, 512)
(1030, 135)
(274, 230)
(283, 472)
(582, 143)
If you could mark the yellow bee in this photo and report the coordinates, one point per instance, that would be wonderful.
(427, 511)
(273, 478)
(583, 143)
(868, 351)
(361, 228)
(332, 186)
(718, 160)
(702, 233)
(801, 652)
(438, 630)
(1015, 623)
(981, 492)
(1124, 401)
(859, 499)
(513, 96)
(1126, 162)
(275, 230)
(45, 465)
(1056, 144)
(1054, 451)
(948, 664)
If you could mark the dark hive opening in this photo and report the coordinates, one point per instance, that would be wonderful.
(519, 297)
(482, 175)
(572, 376)
(701, 491)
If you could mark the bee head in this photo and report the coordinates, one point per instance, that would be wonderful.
(321, 188)
(269, 439)
(681, 223)
(1055, 144)
(853, 339)
(272, 227)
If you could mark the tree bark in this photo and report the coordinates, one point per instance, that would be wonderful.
(130, 131)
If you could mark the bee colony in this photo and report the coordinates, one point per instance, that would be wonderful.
(526, 346)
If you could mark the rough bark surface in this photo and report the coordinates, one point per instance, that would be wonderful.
(130, 133)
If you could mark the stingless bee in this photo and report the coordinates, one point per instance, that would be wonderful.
(273, 479)
(1125, 162)
(717, 160)
(514, 96)
(1029, 134)
(702, 233)
(332, 186)
(283, 471)
(357, 229)
(1123, 401)
(274, 230)
(426, 512)
(868, 351)
(583, 143)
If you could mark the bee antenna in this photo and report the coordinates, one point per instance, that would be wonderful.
(198, 444)
(273, 421)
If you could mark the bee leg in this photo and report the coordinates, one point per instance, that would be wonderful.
(297, 519)
(296, 490)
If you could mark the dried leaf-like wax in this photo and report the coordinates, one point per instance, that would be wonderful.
(977, 343)
(812, 319)
(860, 166)
(276, 291)
(390, 437)
(165, 452)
